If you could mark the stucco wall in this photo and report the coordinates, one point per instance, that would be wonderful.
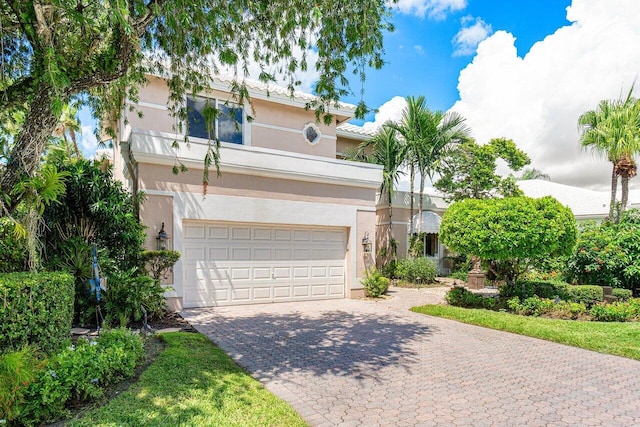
(274, 125)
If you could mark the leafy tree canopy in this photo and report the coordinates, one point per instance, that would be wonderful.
(54, 51)
(519, 229)
(468, 170)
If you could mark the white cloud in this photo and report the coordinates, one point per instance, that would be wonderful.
(87, 142)
(536, 100)
(419, 49)
(435, 9)
(389, 111)
(473, 31)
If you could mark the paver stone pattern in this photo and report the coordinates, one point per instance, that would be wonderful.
(375, 363)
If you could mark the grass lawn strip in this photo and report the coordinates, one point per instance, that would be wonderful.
(617, 338)
(193, 383)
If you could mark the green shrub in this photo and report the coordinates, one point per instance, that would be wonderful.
(158, 263)
(460, 275)
(95, 207)
(375, 283)
(586, 294)
(461, 297)
(524, 289)
(417, 270)
(17, 370)
(622, 294)
(78, 373)
(36, 308)
(13, 250)
(614, 312)
(536, 306)
(388, 270)
(127, 291)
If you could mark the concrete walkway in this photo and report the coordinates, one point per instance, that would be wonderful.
(374, 363)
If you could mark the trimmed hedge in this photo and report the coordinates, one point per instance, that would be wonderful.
(35, 308)
(622, 294)
(586, 294)
(524, 289)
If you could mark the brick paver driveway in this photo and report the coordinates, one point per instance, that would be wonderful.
(354, 362)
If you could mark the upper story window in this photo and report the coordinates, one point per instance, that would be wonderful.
(225, 119)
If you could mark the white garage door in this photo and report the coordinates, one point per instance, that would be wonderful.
(235, 263)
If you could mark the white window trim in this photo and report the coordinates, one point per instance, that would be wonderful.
(316, 129)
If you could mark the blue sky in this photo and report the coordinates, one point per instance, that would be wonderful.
(422, 57)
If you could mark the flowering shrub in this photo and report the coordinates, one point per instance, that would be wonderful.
(608, 254)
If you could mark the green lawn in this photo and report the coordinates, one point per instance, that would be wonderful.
(193, 383)
(622, 339)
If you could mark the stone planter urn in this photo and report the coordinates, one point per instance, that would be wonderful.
(476, 275)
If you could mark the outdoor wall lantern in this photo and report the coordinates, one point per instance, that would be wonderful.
(366, 243)
(163, 239)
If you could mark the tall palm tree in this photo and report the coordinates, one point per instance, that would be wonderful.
(426, 134)
(68, 124)
(613, 131)
(387, 150)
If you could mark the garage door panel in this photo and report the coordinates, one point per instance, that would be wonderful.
(241, 254)
(219, 254)
(336, 271)
(194, 231)
(336, 290)
(281, 254)
(301, 235)
(262, 293)
(241, 273)
(301, 273)
(282, 293)
(301, 291)
(240, 233)
(218, 232)
(242, 294)
(300, 254)
(261, 254)
(227, 264)
(261, 234)
(319, 290)
(193, 253)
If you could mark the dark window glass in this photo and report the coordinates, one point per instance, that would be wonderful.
(227, 124)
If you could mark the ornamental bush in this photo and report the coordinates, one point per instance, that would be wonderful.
(517, 230)
(77, 373)
(542, 288)
(614, 312)
(622, 294)
(586, 294)
(127, 291)
(375, 283)
(416, 270)
(461, 297)
(36, 309)
(608, 254)
(535, 306)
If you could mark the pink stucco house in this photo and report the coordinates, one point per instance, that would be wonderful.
(286, 219)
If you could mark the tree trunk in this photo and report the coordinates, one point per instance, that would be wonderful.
(390, 238)
(412, 172)
(421, 201)
(30, 143)
(614, 190)
(625, 195)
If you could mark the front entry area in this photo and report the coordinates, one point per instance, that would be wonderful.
(229, 263)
